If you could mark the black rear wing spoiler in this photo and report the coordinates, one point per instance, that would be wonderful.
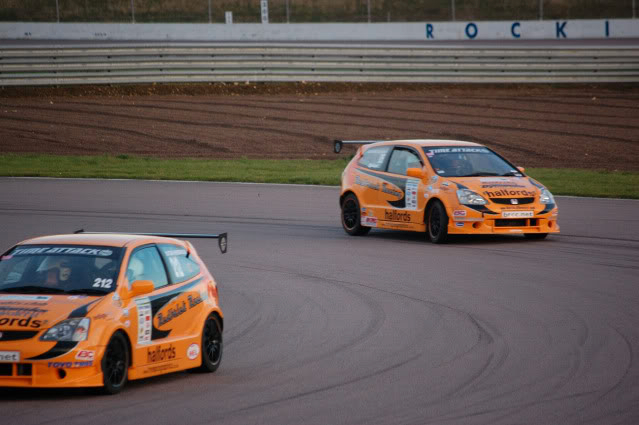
(222, 237)
(337, 147)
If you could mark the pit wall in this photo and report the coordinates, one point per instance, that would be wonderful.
(424, 31)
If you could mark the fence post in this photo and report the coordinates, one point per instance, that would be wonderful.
(452, 9)
(288, 13)
(132, 12)
(368, 2)
(541, 10)
(210, 20)
(57, 10)
(634, 9)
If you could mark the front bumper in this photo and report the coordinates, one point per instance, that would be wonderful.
(498, 225)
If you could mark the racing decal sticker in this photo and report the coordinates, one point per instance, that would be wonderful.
(159, 301)
(505, 192)
(369, 221)
(395, 186)
(6, 310)
(193, 351)
(85, 355)
(63, 250)
(459, 224)
(9, 356)
(411, 194)
(160, 353)
(435, 151)
(144, 320)
(517, 214)
(459, 213)
(24, 298)
(394, 215)
(69, 365)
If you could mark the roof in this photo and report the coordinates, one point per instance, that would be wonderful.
(109, 239)
(431, 142)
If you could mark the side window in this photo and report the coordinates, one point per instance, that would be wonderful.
(374, 158)
(146, 264)
(180, 266)
(403, 159)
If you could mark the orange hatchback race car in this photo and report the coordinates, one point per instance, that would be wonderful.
(441, 187)
(98, 309)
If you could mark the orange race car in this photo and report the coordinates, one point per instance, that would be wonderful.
(441, 187)
(98, 309)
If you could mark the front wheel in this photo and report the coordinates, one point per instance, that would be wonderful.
(115, 364)
(351, 218)
(437, 223)
(211, 345)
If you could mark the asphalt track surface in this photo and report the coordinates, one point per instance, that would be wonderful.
(324, 328)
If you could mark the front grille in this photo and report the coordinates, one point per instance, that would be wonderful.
(506, 201)
(22, 369)
(518, 222)
(6, 369)
(17, 335)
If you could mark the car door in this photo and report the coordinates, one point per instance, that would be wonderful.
(368, 181)
(400, 194)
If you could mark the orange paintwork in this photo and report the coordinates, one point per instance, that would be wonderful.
(376, 189)
(79, 364)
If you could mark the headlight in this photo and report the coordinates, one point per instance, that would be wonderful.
(468, 197)
(545, 197)
(68, 330)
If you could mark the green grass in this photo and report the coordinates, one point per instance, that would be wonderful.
(324, 172)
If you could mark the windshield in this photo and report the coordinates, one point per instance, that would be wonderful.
(51, 269)
(468, 162)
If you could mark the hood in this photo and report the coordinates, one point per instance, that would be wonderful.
(499, 187)
(36, 312)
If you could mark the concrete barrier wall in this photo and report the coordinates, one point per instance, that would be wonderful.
(424, 31)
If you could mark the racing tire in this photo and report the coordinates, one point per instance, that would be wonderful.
(351, 218)
(437, 223)
(115, 364)
(534, 236)
(211, 345)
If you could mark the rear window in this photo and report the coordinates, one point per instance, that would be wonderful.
(60, 269)
(375, 157)
(180, 266)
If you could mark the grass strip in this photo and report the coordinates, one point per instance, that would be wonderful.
(607, 184)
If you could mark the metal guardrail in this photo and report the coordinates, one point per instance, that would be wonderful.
(179, 63)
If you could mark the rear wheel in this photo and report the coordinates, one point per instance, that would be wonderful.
(115, 364)
(535, 235)
(437, 223)
(351, 218)
(211, 344)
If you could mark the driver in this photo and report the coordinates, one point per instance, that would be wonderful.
(59, 274)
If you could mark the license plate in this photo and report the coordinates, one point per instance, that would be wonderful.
(9, 356)
(517, 214)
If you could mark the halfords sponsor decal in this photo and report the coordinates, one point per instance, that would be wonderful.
(9, 356)
(193, 351)
(23, 323)
(69, 365)
(63, 250)
(366, 183)
(505, 192)
(160, 353)
(21, 311)
(392, 215)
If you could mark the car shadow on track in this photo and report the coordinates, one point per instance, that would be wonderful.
(463, 240)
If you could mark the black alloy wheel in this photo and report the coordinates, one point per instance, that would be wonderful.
(211, 345)
(115, 364)
(351, 218)
(437, 223)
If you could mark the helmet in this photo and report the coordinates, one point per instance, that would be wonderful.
(135, 270)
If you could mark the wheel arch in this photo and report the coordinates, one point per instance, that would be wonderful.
(429, 205)
(345, 194)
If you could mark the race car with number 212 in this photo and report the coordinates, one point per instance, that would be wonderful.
(441, 187)
(94, 309)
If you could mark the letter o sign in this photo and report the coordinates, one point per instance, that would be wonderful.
(471, 30)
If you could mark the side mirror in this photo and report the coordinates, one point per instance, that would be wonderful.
(141, 287)
(416, 172)
(521, 169)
